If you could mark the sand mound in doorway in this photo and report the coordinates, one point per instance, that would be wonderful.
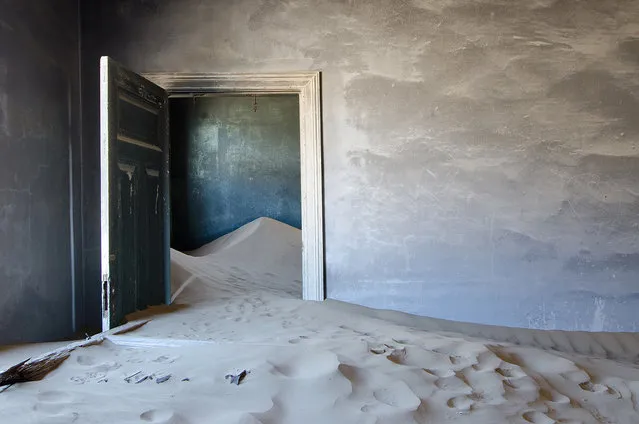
(264, 254)
(256, 237)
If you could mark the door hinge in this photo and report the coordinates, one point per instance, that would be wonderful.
(105, 295)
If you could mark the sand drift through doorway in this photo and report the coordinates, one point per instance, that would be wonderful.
(307, 86)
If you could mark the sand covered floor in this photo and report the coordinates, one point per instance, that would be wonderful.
(237, 308)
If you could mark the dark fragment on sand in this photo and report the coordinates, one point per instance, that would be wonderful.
(162, 379)
(236, 379)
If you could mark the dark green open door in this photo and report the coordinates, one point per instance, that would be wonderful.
(134, 193)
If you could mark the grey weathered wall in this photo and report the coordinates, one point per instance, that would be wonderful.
(39, 133)
(233, 159)
(481, 157)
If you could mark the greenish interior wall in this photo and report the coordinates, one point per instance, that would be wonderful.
(233, 159)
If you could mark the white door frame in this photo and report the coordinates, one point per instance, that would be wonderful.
(307, 86)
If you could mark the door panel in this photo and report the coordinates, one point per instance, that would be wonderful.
(134, 193)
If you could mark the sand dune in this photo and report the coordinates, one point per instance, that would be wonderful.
(237, 307)
(264, 253)
(618, 346)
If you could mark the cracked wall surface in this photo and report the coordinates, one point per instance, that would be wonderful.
(480, 157)
(39, 94)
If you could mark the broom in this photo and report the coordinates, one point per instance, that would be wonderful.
(36, 369)
(32, 370)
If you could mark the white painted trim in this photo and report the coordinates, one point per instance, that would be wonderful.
(150, 342)
(105, 170)
(307, 85)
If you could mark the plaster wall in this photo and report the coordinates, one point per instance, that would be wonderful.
(481, 159)
(39, 154)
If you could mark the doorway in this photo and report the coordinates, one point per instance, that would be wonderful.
(307, 87)
(234, 159)
(135, 177)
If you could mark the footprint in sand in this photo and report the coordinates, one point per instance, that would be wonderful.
(589, 386)
(524, 383)
(432, 362)
(309, 365)
(164, 359)
(487, 361)
(457, 360)
(553, 396)
(398, 356)
(521, 390)
(537, 417)
(460, 403)
(54, 397)
(86, 360)
(453, 384)
(576, 376)
(441, 372)
(398, 395)
(162, 416)
(509, 371)
(96, 370)
(287, 324)
(349, 329)
(583, 379)
(247, 419)
(55, 406)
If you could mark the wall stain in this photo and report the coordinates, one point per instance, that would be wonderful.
(629, 49)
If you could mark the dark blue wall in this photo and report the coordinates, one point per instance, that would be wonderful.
(233, 159)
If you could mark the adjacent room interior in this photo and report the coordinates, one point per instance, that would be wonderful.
(316, 211)
(235, 181)
(234, 159)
